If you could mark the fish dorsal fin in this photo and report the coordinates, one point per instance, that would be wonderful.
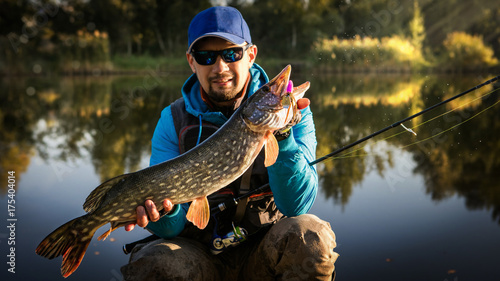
(96, 197)
(272, 149)
(199, 212)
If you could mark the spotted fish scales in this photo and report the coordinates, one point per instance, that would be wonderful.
(190, 177)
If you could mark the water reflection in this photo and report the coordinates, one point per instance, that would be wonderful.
(112, 120)
(461, 161)
(74, 125)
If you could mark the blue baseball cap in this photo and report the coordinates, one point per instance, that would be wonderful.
(223, 22)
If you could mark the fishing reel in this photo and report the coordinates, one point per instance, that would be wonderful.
(231, 239)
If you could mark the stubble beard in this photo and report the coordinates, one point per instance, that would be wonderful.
(223, 94)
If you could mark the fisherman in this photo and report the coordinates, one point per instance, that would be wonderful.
(267, 236)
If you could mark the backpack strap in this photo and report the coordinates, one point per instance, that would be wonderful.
(180, 116)
(244, 188)
(187, 126)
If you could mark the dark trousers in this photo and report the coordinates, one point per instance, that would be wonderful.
(297, 248)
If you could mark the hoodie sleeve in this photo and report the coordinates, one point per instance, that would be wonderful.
(165, 146)
(293, 182)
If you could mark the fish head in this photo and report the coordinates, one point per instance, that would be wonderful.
(273, 106)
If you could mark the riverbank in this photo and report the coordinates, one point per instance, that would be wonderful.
(129, 65)
(144, 64)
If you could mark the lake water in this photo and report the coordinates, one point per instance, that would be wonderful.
(403, 207)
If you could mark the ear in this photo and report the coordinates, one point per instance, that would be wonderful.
(252, 53)
(190, 60)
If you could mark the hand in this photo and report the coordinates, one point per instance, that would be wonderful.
(301, 103)
(152, 212)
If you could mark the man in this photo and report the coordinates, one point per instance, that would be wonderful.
(268, 236)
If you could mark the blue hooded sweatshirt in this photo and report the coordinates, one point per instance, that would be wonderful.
(293, 182)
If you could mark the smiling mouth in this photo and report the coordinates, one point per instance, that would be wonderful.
(221, 79)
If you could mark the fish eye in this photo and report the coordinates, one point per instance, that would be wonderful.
(265, 88)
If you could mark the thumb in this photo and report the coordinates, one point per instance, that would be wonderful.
(303, 103)
(129, 226)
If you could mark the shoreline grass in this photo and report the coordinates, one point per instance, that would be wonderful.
(134, 65)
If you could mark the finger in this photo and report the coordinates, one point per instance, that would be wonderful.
(303, 103)
(152, 211)
(168, 205)
(142, 218)
(129, 227)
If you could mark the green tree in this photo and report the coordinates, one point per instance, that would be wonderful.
(378, 18)
(465, 52)
(172, 22)
(489, 27)
(417, 28)
(115, 18)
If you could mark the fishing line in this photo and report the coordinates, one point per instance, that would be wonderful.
(402, 121)
(451, 128)
(348, 154)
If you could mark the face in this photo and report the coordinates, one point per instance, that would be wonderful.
(222, 81)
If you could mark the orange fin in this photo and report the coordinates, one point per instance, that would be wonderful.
(272, 149)
(71, 241)
(199, 212)
(114, 226)
(73, 257)
(105, 235)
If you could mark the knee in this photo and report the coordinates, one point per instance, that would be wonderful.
(308, 229)
(166, 260)
(308, 239)
(296, 248)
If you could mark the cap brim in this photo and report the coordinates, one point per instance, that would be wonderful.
(226, 36)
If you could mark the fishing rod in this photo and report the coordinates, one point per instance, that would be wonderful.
(401, 122)
(235, 201)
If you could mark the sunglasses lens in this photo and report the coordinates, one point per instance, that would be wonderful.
(210, 57)
(232, 55)
(205, 57)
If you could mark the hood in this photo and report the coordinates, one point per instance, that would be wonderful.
(196, 106)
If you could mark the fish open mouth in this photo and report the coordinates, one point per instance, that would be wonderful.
(279, 83)
(274, 104)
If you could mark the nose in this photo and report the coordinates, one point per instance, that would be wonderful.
(220, 65)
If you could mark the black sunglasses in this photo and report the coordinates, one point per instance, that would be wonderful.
(228, 55)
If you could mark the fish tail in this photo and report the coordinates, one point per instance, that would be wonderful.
(69, 240)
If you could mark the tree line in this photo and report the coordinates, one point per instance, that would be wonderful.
(281, 28)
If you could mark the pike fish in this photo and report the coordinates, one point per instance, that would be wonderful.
(190, 177)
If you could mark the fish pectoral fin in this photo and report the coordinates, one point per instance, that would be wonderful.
(199, 212)
(271, 149)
